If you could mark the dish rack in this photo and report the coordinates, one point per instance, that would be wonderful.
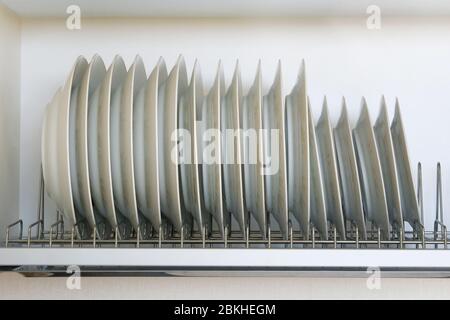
(48, 252)
(57, 237)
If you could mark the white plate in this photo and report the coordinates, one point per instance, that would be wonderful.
(276, 183)
(329, 168)
(95, 73)
(388, 165)
(171, 205)
(252, 144)
(407, 191)
(68, 101)
(298, 152)
(232, 151)
(105, 142)
(146, 149)
(134, 82)
(374, 197)
(190, 106)
(44, 144)
(212, 149)
(348, 172)
(317, 200)
(49, 146)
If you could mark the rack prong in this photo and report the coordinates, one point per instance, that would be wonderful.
(204, 236)
(225, 236)
(313, 237)
(138, 236)
(247, 236)
(18, 222)
(357, 236)
(291, 234)
(182, 237)
(334, 236)
(39, 222)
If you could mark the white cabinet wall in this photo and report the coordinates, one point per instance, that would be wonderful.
(10, 112)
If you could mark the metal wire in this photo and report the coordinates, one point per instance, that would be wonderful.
(417, 238)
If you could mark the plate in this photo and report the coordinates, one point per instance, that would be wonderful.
(407, 191)
(298, 152)
(134, 82)
(104, 146)
(232, 151)
(79, 148)
(212, 151)
(317, 195)
(276, 182)
(44, 145)
(148, 104)
(190, 106)
(67, 105)
(175, 86)
(374, 197)
(388, 165)
(49, 147)
(252, 144)
(328, 164)
(348, 172)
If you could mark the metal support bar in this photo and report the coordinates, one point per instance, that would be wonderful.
(52, 227)
(30, 228)
(8, 229)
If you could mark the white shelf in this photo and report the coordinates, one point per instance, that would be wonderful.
(225, 8)
(227, 258)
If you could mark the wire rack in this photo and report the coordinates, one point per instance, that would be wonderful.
(80, 236)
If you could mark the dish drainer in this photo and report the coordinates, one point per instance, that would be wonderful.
(409, 252)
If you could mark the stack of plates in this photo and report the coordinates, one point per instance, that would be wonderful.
(123, 148)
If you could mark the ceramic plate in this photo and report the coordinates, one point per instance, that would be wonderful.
(330, 176)
(211, 148)
(317, 200)
(44, 145)
(276, 184)
(348, 172)
(298, 152)
(190, 106)
(107, 141)
(171, 199)
(49, 147)
(232, 151)
(67, 105)
(80, 170)
(407, 191)
(371, 176)
(146, 148)
(134, 82)
(252, 143)
(388, 165)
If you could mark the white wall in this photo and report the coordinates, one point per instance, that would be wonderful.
(9, 117)
(408, 58)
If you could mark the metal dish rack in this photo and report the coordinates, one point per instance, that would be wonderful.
(165, 252)
(57, 236)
